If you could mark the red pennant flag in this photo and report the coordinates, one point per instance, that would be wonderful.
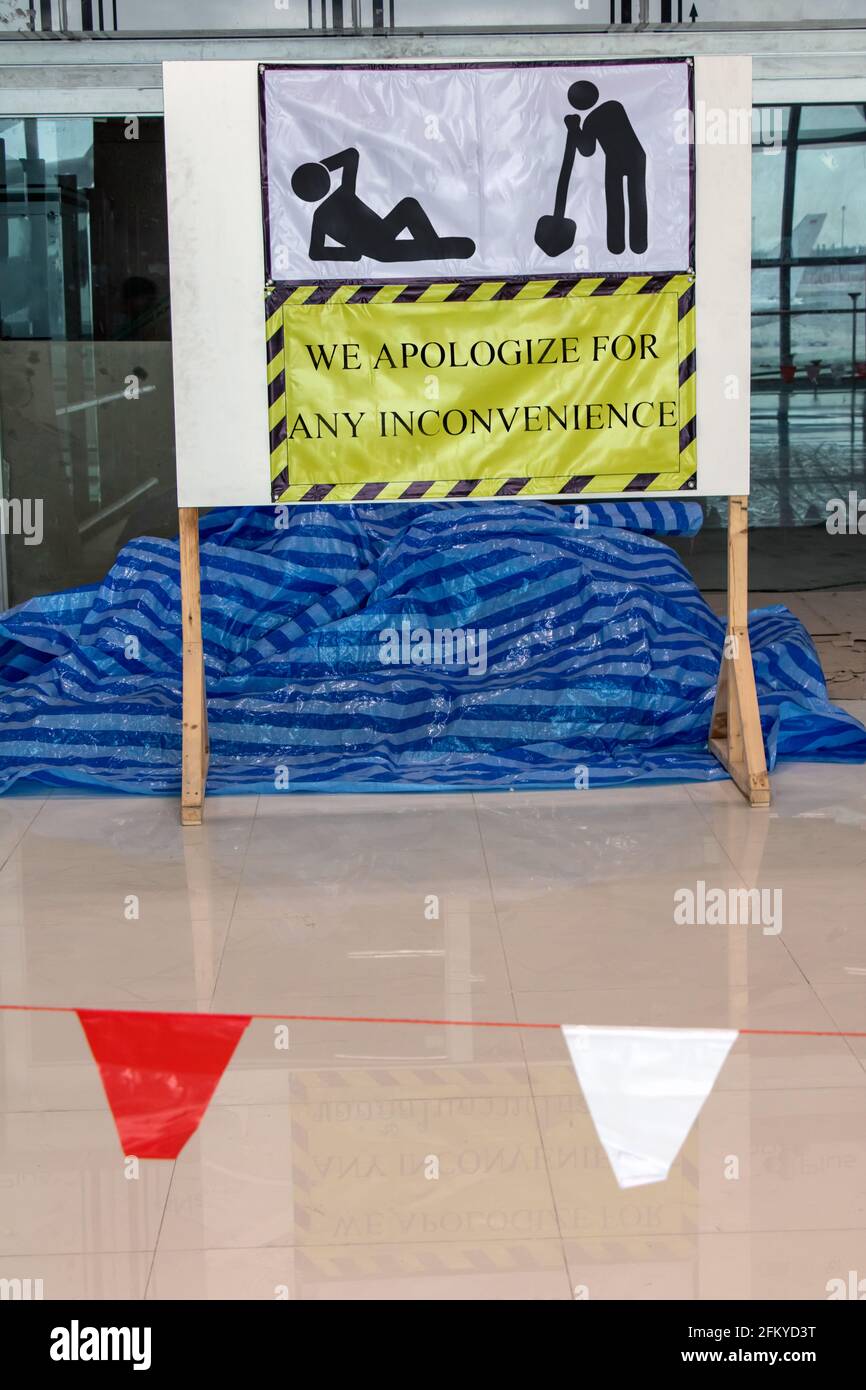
(159, 1071)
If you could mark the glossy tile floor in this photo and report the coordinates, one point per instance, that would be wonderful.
(311, 1175)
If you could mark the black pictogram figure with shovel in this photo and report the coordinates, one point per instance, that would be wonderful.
(609, 127)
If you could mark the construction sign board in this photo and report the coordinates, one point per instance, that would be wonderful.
(475, 280)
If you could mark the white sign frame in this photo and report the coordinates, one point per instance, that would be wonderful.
(216, 247)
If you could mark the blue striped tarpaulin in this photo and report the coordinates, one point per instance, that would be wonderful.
(600, 655)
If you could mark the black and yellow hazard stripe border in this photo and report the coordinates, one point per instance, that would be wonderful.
(277, 297)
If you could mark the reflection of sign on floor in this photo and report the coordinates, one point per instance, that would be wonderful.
(501, 1269)
(361, 1144)
(494, 1269)
(484, 390)
(362, 1178)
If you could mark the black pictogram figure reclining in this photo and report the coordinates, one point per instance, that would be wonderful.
(355, 230)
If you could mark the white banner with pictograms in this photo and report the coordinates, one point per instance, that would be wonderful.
(500, 170)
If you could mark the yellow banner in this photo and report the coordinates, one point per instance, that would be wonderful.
(533, 393)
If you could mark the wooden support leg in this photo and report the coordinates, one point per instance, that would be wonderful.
(735, 728)
(195, 738)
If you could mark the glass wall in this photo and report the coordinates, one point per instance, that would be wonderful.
(85, 354)
(809, 243)
(808, 310)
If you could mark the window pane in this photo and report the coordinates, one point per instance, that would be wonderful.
(765, 346)
(830, 179)
(822, 344)
(807, 368)
(85, 354)
(824, 122)
(769, 130)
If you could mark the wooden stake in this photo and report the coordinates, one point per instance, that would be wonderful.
(735, 728)
(194, 757)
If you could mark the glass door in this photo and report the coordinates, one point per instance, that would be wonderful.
(86, 425)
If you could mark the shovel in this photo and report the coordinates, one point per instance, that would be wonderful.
(555, 232)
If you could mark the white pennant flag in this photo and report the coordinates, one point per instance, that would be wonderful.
(645, 1088)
